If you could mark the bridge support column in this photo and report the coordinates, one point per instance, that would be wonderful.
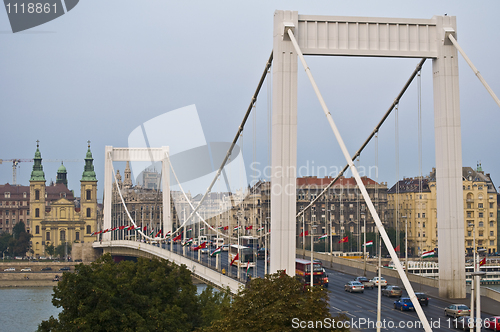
(450, 219)
(284, 146)
(108, 183)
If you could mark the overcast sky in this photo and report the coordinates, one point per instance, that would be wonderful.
(104, 68)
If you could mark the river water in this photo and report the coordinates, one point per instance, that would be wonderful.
(22, 309)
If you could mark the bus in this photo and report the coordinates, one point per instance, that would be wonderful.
(218, 242)
(303, 271)
(249, 241)
(246, 255)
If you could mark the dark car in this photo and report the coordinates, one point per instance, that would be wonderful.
(465, 323)
(423, 298)
(365, 281)
(65, 268)
(404, 303)
(392, 291)
(47, 268)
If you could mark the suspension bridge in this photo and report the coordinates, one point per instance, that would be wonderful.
(295, 37)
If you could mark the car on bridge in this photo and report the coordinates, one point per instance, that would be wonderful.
(365, 281)
(383, 282)
(457, 310)
(404, 303)
(47, 268)
(492, 323)
(392, 291)
(65, 268)
(354, 286)
(26, 269)
(466, 323)
(423, 298)
(10, 269)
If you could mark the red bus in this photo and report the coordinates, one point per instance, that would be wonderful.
(303, 271)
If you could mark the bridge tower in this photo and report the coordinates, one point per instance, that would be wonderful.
(374, 37)
(152, 155)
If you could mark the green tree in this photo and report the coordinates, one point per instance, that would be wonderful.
(60, 250)
(50, 249)
(271, 304)
(4, 242)
(147, 295)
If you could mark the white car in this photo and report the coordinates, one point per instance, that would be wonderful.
(375, 280)
(26, 269)
(10, 269)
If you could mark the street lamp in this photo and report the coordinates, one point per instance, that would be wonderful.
(406, 243)
(364, 243)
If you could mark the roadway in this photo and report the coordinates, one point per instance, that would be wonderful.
(360, 308)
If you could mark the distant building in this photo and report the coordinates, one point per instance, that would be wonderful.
(413, 201)
(55, 217)
(14, 206)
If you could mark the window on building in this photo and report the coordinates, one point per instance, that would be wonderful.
(89, 211)
(469, 233)
(480, 243)
(491, 223)
(480, 215)
(20, 212)
(480, 187)
(24, 195)
(77, 236)
(88, 194)
(37, 229)
(62, 235)
(469, 243)
(423, 224)
(37, 213)
(492, 233)
(37, 195)
(481, 233)
(481, 224)
(47, 236)
(6, 212)
(6, 221)
(423, 215)
(89, 229)
(418, 215)
(492, 242)
(491, 214)
(480, 205)
(469, 205)
(491, 205)
(7, 195)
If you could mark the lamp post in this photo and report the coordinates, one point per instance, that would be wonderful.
(364, 243)
(406, 243)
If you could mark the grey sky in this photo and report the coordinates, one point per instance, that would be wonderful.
(106, 67)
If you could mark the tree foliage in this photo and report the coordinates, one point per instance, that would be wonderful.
(50, 249)
(18, 243)
(60, 250)
(147, 295)
(271, 304)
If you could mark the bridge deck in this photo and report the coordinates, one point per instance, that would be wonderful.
(135, 248)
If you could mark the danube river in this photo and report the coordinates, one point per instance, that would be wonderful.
(23, 308)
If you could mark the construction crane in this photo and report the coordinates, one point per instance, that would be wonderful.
(15, 163)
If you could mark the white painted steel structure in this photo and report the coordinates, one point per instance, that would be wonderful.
(204, 272)
(136, 154)
(376, 37)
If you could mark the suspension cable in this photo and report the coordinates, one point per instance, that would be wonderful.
(237, 136)
(372, 134)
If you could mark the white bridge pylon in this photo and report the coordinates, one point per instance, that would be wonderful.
(374, 37)
(136, 154)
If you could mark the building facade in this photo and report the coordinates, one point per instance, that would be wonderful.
(14, 207)
(55, 217)
(412, 203)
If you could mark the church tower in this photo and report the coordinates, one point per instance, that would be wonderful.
(37, 203)
(88, 198)
(127, 182)
(62, 175)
